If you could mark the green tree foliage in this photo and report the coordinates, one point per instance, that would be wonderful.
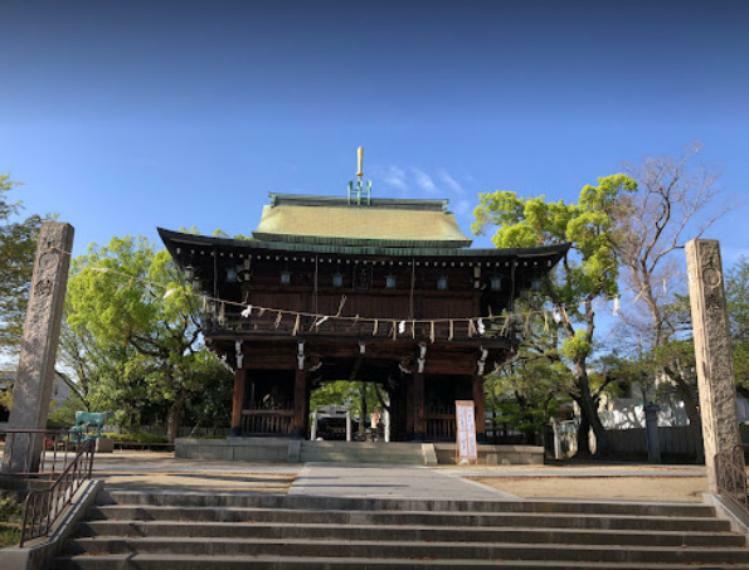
(134, 341)
(17, 249)
(588, 274)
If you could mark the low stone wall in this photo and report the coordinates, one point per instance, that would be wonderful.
(495, 454)
(271, 449)
(283, 450)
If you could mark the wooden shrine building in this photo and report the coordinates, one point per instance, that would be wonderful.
(357, 288)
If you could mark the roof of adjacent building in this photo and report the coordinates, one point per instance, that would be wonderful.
(383, 222)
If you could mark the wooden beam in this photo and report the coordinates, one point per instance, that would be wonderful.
(480, 407)
(418, 408)
(299, 422)
(240, 382)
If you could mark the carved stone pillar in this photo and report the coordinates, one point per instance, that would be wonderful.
(724, 457)
(32, 389)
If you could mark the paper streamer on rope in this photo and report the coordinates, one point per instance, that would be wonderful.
(221, 313)
(296, 325)
(431, 332)
(413, 329)
(247, 312)
(340, 306)
(450, 336)
(375, 327)
(261, 312)
(480, 327)
(471, 328)
(277, 322)
(402, 327)
(395, 330)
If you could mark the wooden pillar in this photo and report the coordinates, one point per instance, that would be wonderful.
(477, 389)
(418, 407)
(237, 401)
(299, 422)
(724, 457)
(32, 389)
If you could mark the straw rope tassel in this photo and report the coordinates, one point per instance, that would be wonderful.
(277, 322)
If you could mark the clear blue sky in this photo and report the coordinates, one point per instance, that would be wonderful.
(124, 116)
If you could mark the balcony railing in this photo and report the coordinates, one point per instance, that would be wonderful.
(275, 422)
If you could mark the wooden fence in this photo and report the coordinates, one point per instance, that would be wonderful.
(677, 441)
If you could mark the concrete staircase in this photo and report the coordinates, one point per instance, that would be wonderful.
(191, 531)
(392, 453)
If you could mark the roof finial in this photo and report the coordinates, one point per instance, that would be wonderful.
(360, 161)
(358, 189)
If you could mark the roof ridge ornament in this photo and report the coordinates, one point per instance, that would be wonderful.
(358, 190)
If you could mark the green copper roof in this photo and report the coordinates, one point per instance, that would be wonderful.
(387, 223)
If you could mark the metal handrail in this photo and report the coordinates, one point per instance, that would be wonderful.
(41, 508)
(36, 465)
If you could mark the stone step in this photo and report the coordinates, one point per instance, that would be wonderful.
(191, 562)
(374, 504)
(424, 518)
(199, 546)
(403, 533)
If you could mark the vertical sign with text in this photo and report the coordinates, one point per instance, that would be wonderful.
(466, 432)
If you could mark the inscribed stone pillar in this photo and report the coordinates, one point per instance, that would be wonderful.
(724, 457)
(237, 401)
(32, 389)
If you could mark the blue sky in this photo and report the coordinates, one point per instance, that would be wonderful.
(125, 116)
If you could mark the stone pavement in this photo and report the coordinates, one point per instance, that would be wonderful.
(160, 470)
(402, 482)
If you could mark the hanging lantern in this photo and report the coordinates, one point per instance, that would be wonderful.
(442, 283)
(285, 277)
(495, 282)
(337, 279)
(390, 281)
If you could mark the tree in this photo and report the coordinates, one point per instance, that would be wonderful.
(588, 274)
(673, 200)
(17, 251)
(135, 319)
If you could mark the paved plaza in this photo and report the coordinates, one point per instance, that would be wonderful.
(161, 470)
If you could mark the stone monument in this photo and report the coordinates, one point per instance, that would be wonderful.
(32, 389)
(724, 457)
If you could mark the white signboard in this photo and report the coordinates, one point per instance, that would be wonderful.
(466, 433)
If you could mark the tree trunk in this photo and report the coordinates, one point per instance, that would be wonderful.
(174, 417)
(589, 418)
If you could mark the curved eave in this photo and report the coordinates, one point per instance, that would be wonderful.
(173, 240)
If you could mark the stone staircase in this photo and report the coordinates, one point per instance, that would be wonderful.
(191, 531)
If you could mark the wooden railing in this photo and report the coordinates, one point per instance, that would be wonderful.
(267, 421)
(440, 426)
(42, 508)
